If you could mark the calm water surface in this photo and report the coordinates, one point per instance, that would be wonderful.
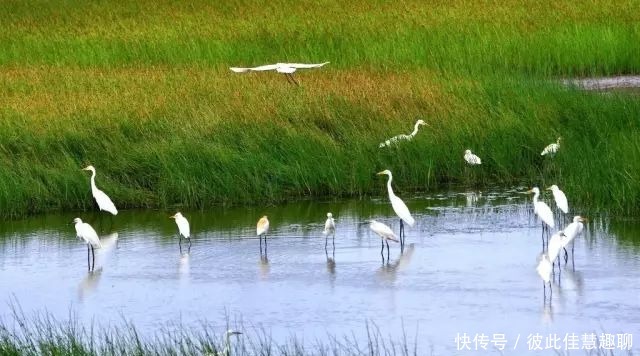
(469, 267)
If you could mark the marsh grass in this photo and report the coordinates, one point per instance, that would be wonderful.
(45, 335)
(143, 92)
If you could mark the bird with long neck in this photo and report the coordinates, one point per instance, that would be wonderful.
(542, 210)
(408, 137)
(90, 237)
(102, 199)
(399, 207)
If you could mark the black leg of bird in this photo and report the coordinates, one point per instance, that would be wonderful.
(88, 261)
(265, 244)
(387, 250)
(260, 238)
(382, 250)
(325, 243)
(401, 236)
(93, 257)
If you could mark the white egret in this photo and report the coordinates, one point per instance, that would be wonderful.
(89, 235)
(552, 148)
(285, 68)
(555, 245)
(329, 229)
(572, 230)
(399, 207)
(262, 228)
(227, 341)
(183, 227)
(560, 198)
(471, 158)
(544, 269)
(385, 234)
(103, 200)
(542, 210)
(408, 137)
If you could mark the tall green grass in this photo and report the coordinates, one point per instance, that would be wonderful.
(143, 92)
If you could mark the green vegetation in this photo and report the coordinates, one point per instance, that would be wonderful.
(45, 335)
(143, 92)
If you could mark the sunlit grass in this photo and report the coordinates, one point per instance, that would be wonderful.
(143, 92)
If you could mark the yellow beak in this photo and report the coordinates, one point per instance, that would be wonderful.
(529, 191)
(380, 173)
(548, 188)
(172, 217)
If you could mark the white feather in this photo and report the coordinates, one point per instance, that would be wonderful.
(560, 198)
(383, 230)
(87, 233)
(471, 158)
(183, 225)
(399, 207)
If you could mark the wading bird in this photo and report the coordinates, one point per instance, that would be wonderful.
(408, 137)
(572, 230)
(552, 148)
(385, 234)
(103, 200)
(89, 235)
(544, 270)
(471, 158)
(183, 227)
(555, 245)
(399, 207)
(560, 198)
(542, 210)
(262, 228)
(329, 229)
(227, 342)
(285, 68)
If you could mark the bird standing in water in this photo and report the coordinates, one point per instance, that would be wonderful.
(262, 228)
(89, 235)
(183, 228)
(329, 230)
(399, 207)
(385, 233)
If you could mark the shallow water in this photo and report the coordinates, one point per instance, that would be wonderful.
(469, 267)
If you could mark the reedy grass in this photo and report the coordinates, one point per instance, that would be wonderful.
(45, 335)
(143, 92)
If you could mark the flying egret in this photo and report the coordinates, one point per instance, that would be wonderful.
(544, 270)
(227, 342)
(471, 158)
(89, 235)
(399, 207)
(183, 227)
(552, 148)
(572, 230)
(103, 200)
(385, 234)
(262, 228)
(285, 68)
(408, 137)
(543, 211)
(329, 229)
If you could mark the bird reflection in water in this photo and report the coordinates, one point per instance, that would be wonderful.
(89, 283)
(184, 263)
(388, 272)
(265, 268)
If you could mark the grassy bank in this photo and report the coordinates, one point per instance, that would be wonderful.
(143, 92)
